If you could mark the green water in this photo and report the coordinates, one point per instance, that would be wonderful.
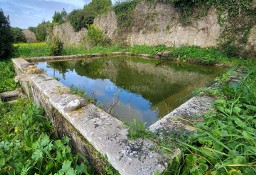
(132, 88)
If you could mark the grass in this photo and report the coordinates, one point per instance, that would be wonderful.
(193, 54)
(43, 49)
(32, 49)
(225, 141)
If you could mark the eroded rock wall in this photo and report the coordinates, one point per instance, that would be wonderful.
(30, 36)
(154, 25)
(67, 34)
(162, 26)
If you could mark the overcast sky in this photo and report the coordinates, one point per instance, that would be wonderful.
(26, 13)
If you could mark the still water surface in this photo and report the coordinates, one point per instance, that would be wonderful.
(132, 88)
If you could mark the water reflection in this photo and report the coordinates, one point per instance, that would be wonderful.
(132, 87)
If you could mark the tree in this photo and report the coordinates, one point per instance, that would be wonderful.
(17, 35)
(41, 31)
(6, 39)
(59, 17)
(32, 29)
(83, 18)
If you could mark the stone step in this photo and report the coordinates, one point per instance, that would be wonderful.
(11, 95)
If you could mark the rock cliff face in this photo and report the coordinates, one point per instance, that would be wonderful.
(30, 36)
(67, 34)
(154, 25)
(163, 27)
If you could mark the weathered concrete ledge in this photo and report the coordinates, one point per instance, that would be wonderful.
(96, 133)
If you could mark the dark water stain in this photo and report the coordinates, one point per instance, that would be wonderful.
(132, 88)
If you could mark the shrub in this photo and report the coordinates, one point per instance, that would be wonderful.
(79, 20)
(95, 37)
(17, 35)
(56, 47)
(124, 11)
(6, 39)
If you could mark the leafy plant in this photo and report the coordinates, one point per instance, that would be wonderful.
(195, 54)
(225, 140)
(7, 75)
(26, 146)
(95, 37)
(56, 47)
(138, 130)
(124, 11)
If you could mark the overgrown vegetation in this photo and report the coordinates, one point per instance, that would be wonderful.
(43, 49)
(6, 39)
(7, 75)
(195, 54)
(18, 36)
(225, 140)
(32, 49)
(56, 47)
(95, 37)
(27, 141)
(125, 16)
(84, 17)
(28, 147)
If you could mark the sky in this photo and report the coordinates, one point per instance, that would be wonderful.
(26, 13)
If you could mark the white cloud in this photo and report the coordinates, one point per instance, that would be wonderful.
(77, 3)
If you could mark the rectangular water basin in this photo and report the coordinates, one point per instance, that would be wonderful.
(130, 87)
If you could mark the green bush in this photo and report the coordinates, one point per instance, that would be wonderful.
(18, 36)
(124, 11)
(6, 38)
(95, 37)
(82, 18)
(56, 47)
(79, 20)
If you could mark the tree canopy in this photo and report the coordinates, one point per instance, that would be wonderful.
(6, 38)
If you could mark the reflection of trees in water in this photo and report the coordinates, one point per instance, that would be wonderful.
(91, 69)
(62, 67)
